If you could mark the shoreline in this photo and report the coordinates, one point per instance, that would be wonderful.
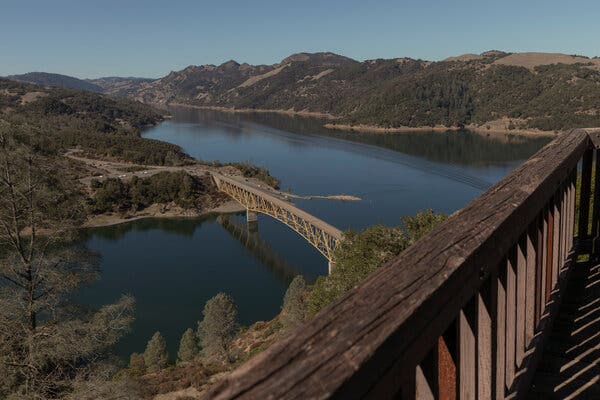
(380, 129)
(312, 114)
(365, 128)
(111, 219)
(530, 133)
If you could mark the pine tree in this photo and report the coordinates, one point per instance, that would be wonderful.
(188, 348)
(156, 356)
(137, 365)
(217, 329)
(294, 303)
(44, 343)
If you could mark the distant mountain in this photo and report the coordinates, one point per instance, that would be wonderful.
(56, 80)
(118, 86)
(220, 85)
(494, 89)
(516, 90)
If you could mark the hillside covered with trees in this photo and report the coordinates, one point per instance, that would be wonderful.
(100, 126)
(533, 90)
(544, 91)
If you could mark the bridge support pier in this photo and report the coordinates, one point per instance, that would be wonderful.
(330, 266)
(251, 216)
(252, 221)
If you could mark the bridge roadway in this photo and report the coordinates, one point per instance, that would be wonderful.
(259, 198)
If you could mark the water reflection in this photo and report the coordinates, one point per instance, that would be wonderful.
(260, 249)
(180, 226)
(457, 147)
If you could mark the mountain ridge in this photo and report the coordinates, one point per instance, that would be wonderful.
(547, 91)
(56, 80)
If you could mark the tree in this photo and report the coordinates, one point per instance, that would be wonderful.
(137, 365)
(44, 341)
(421, 223)
(188, 347)
(156, 356)
(294, 303)
(218, 328)
(361, 253)
(357, 255)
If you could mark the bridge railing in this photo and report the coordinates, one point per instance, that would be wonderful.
(463, 313)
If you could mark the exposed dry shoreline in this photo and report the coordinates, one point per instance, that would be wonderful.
(261, 111)
(381, 129)
(440, 128)
(519, 132)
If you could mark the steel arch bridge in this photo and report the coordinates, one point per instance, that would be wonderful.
(321, 235)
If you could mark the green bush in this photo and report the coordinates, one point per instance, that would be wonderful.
(361, 253)
(184, 190)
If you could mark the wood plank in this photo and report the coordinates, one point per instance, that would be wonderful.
(427, 375)
(501, 334)
(484, 342)
(596, 195)
(386, 325)
(584, 198)
(423, 388)
(563, 219)
(447, 371)
(549, 252)
(568, 220)
(467, 377)
(539, 268)
(573, 207)
(544, 269)
(521, 279)
(555, 241)
(545, 277)
(530, 283)
(511, 314)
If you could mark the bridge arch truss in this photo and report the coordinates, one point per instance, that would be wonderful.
(321, 235)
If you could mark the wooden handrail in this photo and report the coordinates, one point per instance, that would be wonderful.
(456, 314)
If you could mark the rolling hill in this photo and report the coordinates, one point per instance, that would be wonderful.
(56, 80)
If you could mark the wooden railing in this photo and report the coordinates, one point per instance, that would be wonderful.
(461, 314)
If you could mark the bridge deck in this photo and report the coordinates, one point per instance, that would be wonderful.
(570, 366)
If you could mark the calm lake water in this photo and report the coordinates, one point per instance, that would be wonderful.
(172, 267)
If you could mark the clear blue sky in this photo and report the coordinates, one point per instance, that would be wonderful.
(93, 38)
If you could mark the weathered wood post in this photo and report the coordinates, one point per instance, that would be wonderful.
(596, 208)
(584, 198)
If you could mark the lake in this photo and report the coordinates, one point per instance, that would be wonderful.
(173, 266)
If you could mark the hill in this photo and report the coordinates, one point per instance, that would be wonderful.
(56, 80)
(542, 91)
(117, 86)
(101, 126)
